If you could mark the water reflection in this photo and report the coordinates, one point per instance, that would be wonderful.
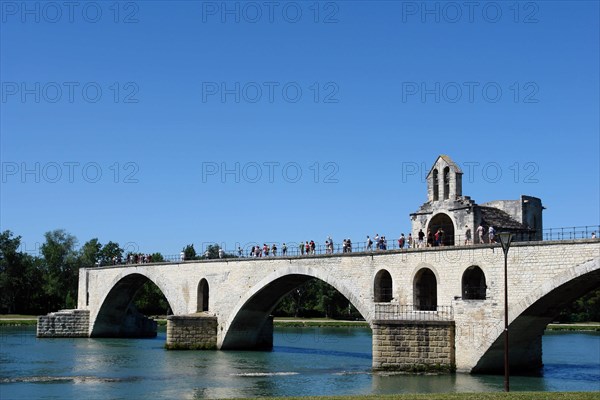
(304, 362)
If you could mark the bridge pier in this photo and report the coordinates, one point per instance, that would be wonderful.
(415, 346)
(64, 323)
(191, 332)
(200, 332)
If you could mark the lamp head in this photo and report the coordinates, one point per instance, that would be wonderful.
(505, 240)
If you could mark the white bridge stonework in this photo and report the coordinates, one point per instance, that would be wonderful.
(243, 292)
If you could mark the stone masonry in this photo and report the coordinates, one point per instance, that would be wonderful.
(244, 291)
(415, 346)
(447, 208)
(64, 323)
(191, 332)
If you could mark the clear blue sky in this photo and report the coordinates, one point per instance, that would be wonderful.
(160, 97)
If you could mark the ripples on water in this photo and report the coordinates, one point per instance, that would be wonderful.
(304, 362)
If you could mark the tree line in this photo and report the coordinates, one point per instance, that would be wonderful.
(38, 284)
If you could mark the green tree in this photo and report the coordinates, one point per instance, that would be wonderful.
(90, 253)
(21, 278)
(110, 252)
(584, 309)
(157, 257)
(189, 253)
(316, 298)
(11, 266)
(60, 268)
(212, 252)
(149, 300)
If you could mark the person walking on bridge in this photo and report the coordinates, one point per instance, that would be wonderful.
(480, 233)
(401, 241)
(421, 236)
(467, 235)
(491, 234)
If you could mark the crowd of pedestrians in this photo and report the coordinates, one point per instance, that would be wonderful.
(264, 251)
(435, 238)
(132, 258)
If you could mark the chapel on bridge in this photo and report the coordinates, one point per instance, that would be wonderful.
(447, 208)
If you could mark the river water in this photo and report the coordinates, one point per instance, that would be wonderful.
(304, 362)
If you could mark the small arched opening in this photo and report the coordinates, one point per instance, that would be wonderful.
(436, 189)
(446, 183)
(383, 287)
(473, 284)
(425, 290)
(202, 299)
(443, 225)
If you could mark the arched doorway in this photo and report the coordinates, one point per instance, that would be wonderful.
(425, 290)
(383, 287)
(473, 284)
(202, 299)
(444, 222)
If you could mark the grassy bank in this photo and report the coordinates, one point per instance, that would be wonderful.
(584, 326)
(17, 320)
(317, 322)
(465, 396)
(25, 320)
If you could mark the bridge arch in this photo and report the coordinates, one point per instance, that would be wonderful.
(116, 316)
(247, 326)
(529, 317)
(383, 287)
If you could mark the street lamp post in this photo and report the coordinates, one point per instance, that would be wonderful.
(505, 240)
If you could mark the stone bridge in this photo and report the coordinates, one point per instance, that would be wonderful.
(428, 308)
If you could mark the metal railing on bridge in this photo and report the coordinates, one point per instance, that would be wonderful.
(571, 233)
(293, 248)
(412, 312)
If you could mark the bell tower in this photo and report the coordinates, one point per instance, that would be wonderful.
(444, 181)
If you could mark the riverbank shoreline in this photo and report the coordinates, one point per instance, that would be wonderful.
(28, 320)
(463, 396)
